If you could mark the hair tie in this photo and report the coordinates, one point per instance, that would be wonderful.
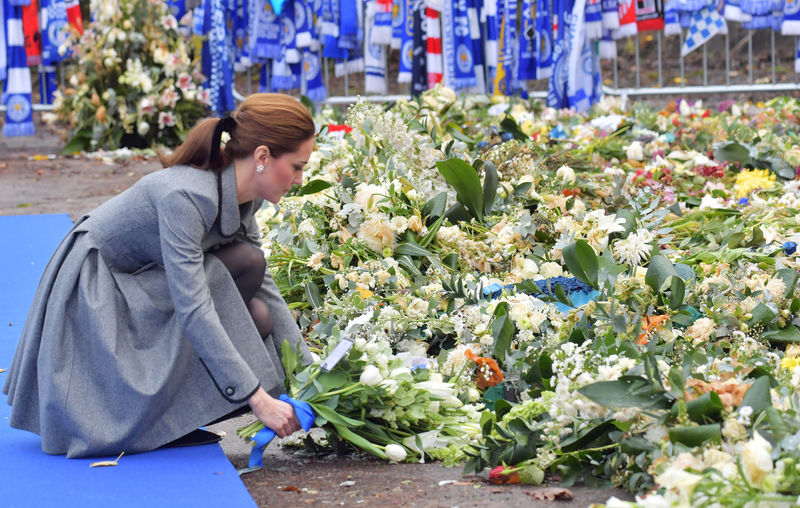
(226, 123)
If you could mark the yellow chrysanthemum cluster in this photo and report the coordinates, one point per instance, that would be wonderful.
(750, 180)
(790, 363)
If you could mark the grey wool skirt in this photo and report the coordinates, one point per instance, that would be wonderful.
(103, 365)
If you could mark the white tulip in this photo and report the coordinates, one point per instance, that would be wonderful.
(396, 453)
(371, 376)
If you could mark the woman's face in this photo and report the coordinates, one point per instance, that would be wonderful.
(280, 173)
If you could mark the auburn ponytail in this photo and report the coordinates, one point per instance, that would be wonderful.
(277, 121)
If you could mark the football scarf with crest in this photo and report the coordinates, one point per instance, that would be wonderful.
(791, 17)
(403, 30)
(544, 40)
(526, 62)
(457, 50)
(17, 86)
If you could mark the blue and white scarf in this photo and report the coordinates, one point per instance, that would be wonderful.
(791, 18)
(593, 20)
(777, 14)
(526, 63)
(285, 76)
(583, 81)
(289, 51)
(381, 31)
(264, 31)
(315, 87)
(55, 29)
(374, 55)
(457, 45)
(303, 21)
(351, 36)
(557, 86)
(544, 40)
(672, 25)
(505, 80)
(757, 8)
(399, 13)
(733, 11)
(217, 64)
(3, 53)
(705, 24)
(48, 84)
(491, 44)
(241, 13)
(17, 86)
(607, 47)
(473, 7)
(610, 15)
(403, 30)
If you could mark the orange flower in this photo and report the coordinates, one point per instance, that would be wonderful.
(498, 476)
(650, 323)
(489, 373)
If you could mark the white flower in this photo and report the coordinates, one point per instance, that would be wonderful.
(701, 330)
(315, 261)
(396, 453)
(143, 128)
(550, 269)
(377, 234)
(371, 376)
(632, 250)
(566, 174)
(417, 309)
(756, 460)
(681, 481)
(307, 228)
(634, 151)
(165, 119)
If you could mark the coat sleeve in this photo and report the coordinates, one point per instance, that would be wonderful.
(284, 325)
(182, 226)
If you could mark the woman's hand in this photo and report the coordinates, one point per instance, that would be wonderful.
(275, 414)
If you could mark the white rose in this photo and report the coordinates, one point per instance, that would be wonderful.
(634, 151)
(143, 128)
(473, 395)
(550, 269)
(396, 453)
(756, 459)
(417, 309)
(307, 228)
(371, 376)
(566, 174)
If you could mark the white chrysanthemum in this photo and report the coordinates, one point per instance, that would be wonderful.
(315, 261)
(632, 250)
(634, 151)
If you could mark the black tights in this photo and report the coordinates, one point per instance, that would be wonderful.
(247, 266)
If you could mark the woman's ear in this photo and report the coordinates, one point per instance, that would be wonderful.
(261, 153)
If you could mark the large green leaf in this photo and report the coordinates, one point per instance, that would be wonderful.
(788, 335)
(466, 182)
(312, 295)
(435, 206)
(313, 186)
(677, 292)
(490, 181)
(508, 124)
(627, 391)
(659, 269)
(581, 261)
(706, 406)
(695, 436)
(502, 330)
(757, 396)
(732, 152)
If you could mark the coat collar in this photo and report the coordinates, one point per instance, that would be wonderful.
(229, 218)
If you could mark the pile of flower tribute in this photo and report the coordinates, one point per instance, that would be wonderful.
(609, 298)
(133, 81)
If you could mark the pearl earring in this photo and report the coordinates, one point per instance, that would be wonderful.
(260, 169)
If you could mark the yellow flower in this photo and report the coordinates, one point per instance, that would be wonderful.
(750, 180)
(790, 363)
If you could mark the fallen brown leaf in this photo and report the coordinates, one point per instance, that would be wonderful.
(551, 494)
(462, 484)
(291, 488)
(107, 463)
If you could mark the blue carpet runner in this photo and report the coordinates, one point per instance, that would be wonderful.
(197, 476)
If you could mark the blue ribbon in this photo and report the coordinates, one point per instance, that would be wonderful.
(305, 415)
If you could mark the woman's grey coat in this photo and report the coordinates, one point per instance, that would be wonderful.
(136, 335)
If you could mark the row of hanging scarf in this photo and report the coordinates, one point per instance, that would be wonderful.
(472, 46)
(30, 35)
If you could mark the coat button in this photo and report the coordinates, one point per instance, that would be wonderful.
(230, 390)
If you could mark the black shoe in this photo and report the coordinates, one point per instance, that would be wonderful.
(194, 438)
